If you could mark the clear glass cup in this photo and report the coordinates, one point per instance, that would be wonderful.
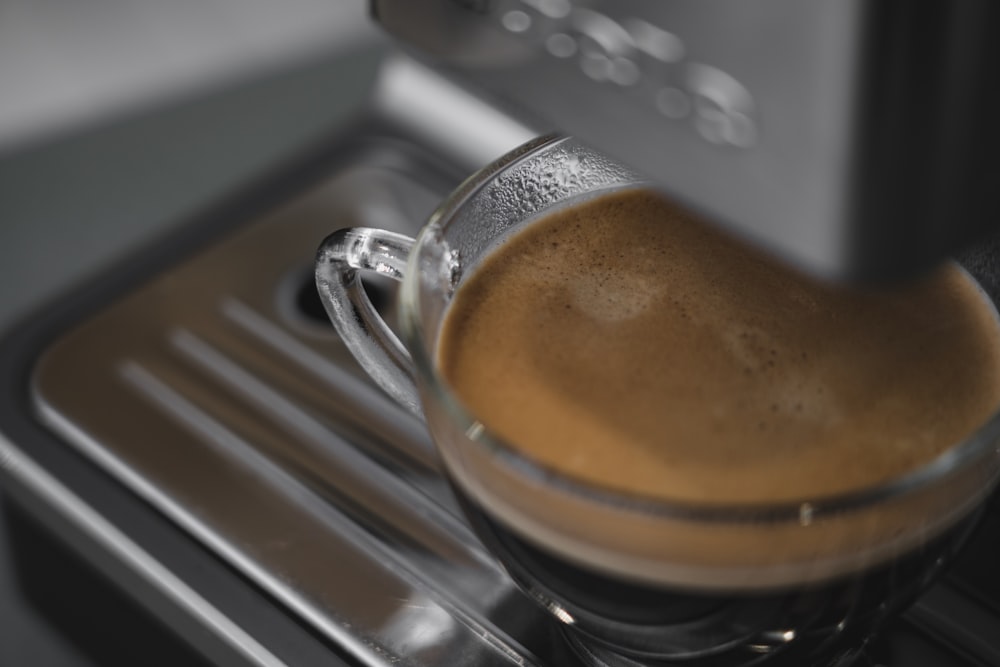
(637, 581)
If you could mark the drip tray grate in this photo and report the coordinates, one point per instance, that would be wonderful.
(217, 392)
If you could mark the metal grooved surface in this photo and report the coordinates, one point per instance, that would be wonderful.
(214, 393)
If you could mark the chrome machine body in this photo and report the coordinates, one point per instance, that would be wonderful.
(853, 138)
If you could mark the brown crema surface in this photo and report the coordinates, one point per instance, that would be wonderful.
(626, 344)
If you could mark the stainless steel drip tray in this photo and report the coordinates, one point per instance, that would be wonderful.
(216, 392)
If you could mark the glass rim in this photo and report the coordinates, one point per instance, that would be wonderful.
(954, 459)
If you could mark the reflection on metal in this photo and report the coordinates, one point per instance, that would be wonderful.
(723, 107)
(634, 52)
(40, 484)
(209, 393)
(466, 129)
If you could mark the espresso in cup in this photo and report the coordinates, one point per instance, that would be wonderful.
(684, 452)
(623, 344)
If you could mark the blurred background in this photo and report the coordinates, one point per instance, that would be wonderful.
(118, 119)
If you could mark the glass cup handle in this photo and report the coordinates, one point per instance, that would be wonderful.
(341, 258)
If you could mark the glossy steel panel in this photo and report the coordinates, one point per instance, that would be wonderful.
(215, 395)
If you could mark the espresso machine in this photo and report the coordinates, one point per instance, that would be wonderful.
(189, 422)
(853, 139)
